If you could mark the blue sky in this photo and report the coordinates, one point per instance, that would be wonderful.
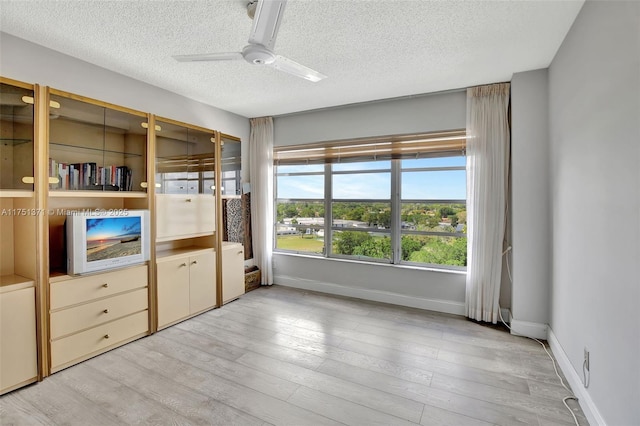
(100, 229)
(448, 185)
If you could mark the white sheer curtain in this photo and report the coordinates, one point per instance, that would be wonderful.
(261, 179)
(487, 172)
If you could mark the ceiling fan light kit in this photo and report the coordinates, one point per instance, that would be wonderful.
(267, 15)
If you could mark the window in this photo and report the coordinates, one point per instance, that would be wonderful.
(398, 200)
(361, 210)
(300, 208)
(433, 211)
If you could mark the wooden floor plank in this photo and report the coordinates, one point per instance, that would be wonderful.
(502, 380)
(258, 404)
(287, 356)
(535, 405)
(127, 405)
(377, 364)
(434, 416)
(234, 371)
(211, 346)
(435, 399)
(15, 409)
(62, 405)
(342, 411)
(296, 357)
(344, 389)
(189, 401)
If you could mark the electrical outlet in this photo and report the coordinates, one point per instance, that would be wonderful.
(586, 359)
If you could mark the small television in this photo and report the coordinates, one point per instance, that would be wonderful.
(98, 240)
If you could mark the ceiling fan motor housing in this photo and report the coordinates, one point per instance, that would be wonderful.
(257, 54)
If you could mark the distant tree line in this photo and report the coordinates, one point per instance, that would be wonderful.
(436, 217)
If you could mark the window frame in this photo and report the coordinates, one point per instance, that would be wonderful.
(394, 232)
(426, 201)
(296, 200)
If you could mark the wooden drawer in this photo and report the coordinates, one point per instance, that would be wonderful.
(97, 339)
(84, 289)
(89, 315)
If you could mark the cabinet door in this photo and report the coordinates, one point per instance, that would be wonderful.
(202, 270)
(173, 290)
(232, 272)
(18, 354)
(180, 216)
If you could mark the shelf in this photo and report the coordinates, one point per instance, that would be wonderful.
(96, 194)
(16, 193)
(98, 150)
(171, 254)
(14, 282)
(15, 141)
(184, 237)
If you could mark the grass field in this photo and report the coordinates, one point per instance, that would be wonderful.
(306, 243)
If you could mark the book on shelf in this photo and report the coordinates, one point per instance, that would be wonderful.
(90, 176)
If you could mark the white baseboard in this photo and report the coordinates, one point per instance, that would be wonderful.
(584, 399)
(506, 315)
(445, 306)
(529, 329)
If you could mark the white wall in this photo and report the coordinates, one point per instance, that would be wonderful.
(530, 218)
(428, 289)
(32, 63)
(440, 111)
(594, 116)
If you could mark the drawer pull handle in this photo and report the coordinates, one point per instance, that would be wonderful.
(106, 311)
(195, 262)
(240, 252)
(183, 264)
(106, 336)
(188, 200)
(105, 285)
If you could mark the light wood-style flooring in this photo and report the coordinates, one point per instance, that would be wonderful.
(284, 356)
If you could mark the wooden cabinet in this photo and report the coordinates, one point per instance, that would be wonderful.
(95, 313)
(97, 160)
(185, 158)
(16, 136)
(19, 217)
(18, 352)
(202, 280)
(173, 290)
(61, 151)
(186, 284)
(232, 271)
(184, 216)
(96, 146)
(186, 220)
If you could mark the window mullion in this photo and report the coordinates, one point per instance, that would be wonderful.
(396, 242)
(328, 214)
(274, 243)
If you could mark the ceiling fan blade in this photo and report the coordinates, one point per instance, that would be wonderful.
(266, 22)
(227, 56)
(287, 65)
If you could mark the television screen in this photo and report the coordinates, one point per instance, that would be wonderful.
(99, 240)
(113, 237)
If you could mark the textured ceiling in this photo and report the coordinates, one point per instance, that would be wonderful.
(369, 49)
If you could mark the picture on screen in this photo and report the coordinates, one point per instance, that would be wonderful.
(113, 237)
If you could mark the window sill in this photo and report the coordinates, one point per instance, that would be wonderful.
(361, 262)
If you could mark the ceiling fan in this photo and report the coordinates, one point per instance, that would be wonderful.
(267, 15)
